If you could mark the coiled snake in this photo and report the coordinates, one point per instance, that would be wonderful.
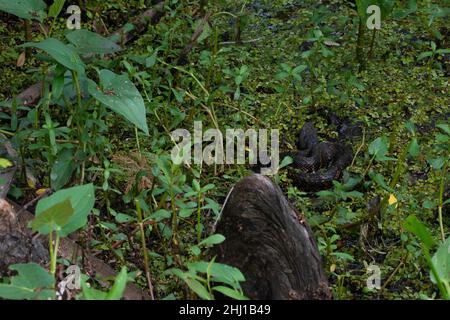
(316, 164)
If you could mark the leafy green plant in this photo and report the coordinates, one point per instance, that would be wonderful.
(227, 278)
(61, 214)
(432, 54)
(439, 264)
(440, 165)
(32, 282)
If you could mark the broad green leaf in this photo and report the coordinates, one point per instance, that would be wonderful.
(198, 288)
(87, 42)
(412, 224)
(379, 147)
(55, 8)
(32, 282)
(212, 240)
(120, 95)
(54, 218)
(62, 169)
(118, 288)
(64, 54)
(441, 261)
(25, 9)
(230, 293)
(82, 199)
(57, 86)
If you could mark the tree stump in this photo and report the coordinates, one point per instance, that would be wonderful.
(271, 243)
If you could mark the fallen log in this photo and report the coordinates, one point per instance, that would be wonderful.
(125, 34)
(271, 243)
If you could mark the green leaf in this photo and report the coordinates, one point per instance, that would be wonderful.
(198, 288)
(62, 169)
(25, 9)
(32, 282)
(444, 127)
(82, 199)
(286, 161)
(344, 256)
(424, 55)
(54, 218)
(299, 69)
(379, 147)
(437, 163)
(412, 224)
(87, 42)
(57, 86)
(65, 55)
(220, 272)
(441, 261)
(120, 95)
(212, 240)
(234, 294)
(124, 218)
(55, 8)
(196, 250)
(379, 179)
(118, 288)
(414, 148)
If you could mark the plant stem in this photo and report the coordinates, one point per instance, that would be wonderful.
(374, 32)
(53, 248)
(137, 139)
(144, 249)
(360, 45)
(441, 199)
(199, 231)
(80, 133)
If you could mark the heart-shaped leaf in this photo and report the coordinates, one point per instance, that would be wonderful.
(54, 218)
(82, 199)
(120, 95)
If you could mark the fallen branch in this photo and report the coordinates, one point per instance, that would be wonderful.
(182, 59)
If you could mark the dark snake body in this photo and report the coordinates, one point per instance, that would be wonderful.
(316, 164)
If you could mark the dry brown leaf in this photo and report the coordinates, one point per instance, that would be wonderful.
(21, 60)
